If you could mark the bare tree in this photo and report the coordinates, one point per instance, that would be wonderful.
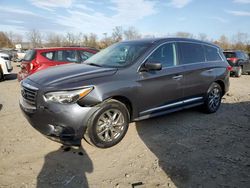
(240, 40)
(5, 42)
(223, 42)
(14, 38)
(131, 33)
(54, 40)
(93, 40)
(17, 38)
(117, 34)
(35, 38)
(70, 39)
(90, 40)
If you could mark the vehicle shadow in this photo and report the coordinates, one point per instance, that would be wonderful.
(12, 76)
(65, 167)
(202, 150)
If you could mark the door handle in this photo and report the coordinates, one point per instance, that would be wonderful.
(177, 77)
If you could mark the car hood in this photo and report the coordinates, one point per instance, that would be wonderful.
(70, 73)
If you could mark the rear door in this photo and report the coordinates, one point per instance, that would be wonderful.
(199, 73)
(160, 89)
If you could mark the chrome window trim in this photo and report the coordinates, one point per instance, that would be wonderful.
(180, 65)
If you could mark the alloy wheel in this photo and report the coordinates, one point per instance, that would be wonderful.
(214, 98)
(110, 125)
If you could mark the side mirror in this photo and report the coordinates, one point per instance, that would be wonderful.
(152, 66)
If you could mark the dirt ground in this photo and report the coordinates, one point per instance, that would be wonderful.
(183, 149)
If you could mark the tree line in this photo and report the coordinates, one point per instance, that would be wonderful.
(35, 38)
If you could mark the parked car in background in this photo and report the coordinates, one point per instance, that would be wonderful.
(128, 81)
(11, 52)
(43, 58)
(5, 65)
(239, 60)
(21, 54)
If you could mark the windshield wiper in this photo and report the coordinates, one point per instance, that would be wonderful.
(93, 64)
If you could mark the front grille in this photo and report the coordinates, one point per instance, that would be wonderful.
(29, 94)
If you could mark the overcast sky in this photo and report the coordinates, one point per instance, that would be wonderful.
(156, 17)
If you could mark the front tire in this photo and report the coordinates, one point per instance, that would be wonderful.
(213, 98)
(108, 125)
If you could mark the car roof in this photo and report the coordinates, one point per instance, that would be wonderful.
(169, 39)
(67, 48)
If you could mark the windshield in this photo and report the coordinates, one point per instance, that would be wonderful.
(119, 54)
(30, 55)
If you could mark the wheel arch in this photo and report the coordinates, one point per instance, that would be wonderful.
(222, 85)
(126, 102)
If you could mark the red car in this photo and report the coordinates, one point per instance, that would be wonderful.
(43, 58)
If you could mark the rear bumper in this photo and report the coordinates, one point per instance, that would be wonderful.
(61, 123)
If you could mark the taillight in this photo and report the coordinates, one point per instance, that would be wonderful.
(229, 68)
(233, 59)
(31, 66)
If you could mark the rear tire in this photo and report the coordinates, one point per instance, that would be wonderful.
(108, 125)
(213, 98)
(238, 72)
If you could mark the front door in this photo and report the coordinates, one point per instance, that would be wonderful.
(159, 89)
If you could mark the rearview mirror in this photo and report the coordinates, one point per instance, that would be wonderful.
(152, 66)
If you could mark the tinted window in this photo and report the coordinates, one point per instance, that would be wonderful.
(165, 55)
(212, 54)
(30, 55)
(230, 54)
(191, 53)
(67, 56)
(85, 55)
(49, 55)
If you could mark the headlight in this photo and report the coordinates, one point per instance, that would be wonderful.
(66, 97)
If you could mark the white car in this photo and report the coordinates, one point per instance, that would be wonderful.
(5, 65)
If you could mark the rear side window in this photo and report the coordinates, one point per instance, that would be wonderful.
(165, 54)
(230, 54)
(85, 55)
(67, 56)
(49, 55)
(191, 53)
(30, 55)
(212, 53)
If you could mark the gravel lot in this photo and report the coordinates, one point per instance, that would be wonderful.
(183, 149)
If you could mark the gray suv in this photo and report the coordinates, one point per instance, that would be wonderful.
(128, 81)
